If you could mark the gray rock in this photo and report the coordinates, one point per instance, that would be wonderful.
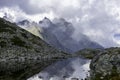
(106, 65)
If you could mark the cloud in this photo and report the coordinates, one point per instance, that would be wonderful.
(15, 14)
(97, 19)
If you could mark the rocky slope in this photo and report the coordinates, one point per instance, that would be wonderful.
(106, 65)
(22, 54)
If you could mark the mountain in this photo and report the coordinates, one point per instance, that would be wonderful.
(37, 30)
(31, 27)
(59, 34)
(23, 54)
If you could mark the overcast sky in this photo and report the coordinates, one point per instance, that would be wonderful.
(98, 19)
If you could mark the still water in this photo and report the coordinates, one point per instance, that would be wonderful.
(67, 69)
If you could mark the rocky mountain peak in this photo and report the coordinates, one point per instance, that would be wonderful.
(59, 34)
(45, 23)
(24, 22)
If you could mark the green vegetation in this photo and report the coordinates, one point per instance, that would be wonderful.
(3, 44)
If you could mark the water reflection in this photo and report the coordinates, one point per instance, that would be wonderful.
(68, 69)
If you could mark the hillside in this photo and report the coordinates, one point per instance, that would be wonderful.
(22, 54)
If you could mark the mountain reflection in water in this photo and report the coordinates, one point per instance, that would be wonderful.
(67, 69)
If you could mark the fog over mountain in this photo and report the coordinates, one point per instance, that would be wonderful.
(99, 20)
(59, 34)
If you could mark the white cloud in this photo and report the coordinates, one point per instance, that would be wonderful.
(15, 14)
(99, 19)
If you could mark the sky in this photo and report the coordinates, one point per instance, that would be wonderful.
(98, 19)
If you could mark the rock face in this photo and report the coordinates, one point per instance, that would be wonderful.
(22, 54)
(106, 65)
(30, 26)
(59, 34)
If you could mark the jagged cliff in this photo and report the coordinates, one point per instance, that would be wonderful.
(59, 33)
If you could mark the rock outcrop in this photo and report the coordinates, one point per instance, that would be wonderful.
(106, 65)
